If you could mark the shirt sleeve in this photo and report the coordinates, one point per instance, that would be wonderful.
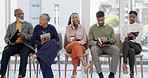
(55, 34)
(112, 37)
(140, 35)
(7, 36)
(69, 33)
(35, 37)
(91, 41)
(30, 32)
(83, 40)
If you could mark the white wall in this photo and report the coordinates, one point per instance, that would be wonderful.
(25, 6)
(66, 7)
(2, 24)
(14, 4)
(85, 14)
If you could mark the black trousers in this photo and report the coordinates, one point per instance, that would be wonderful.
(130, 49)
(10, 50)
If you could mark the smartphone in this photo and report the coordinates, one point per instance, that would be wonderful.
(71, 22)
(100, 41)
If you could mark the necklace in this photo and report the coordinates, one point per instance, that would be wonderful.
(44, 30)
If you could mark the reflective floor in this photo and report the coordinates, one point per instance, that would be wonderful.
(80, 72)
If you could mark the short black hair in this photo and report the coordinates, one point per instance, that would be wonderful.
(100, 14)
(133, 12)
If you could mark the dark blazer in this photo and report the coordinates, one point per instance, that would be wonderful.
(27, 29)
(38, 30)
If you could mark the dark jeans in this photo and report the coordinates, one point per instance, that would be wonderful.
(130, 49)
(20, 49)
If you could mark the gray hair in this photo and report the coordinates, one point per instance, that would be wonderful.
(46, 16)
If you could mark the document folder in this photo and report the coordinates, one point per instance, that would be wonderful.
(135, 33)
(14, 37)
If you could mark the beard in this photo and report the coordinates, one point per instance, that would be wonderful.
(20, 19)
(101, 24)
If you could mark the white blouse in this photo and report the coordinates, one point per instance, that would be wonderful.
(135, 27)
(80, 33)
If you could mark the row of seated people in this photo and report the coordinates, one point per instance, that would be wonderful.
(101, 39)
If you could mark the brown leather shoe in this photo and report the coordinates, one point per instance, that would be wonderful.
(132, 75)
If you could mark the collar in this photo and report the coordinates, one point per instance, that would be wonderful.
(132, 24)
(99, 25)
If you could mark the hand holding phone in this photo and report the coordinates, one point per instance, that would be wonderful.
(103, 39)
(99, 43)
(99, 40)
(71, 22)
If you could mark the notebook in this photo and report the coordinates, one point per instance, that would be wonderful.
(14, 37)
(46, 35)
(135, 33)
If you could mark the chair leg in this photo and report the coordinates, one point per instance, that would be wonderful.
(66, 62)
(37, 70)
(85, 58)
(34, 67)
(30, 67)
(120, 66)
(141, 67)
(15, 64)
(87, 62)
(91, 69)
(59, 66)
(109, 63)
(8, 69)
(135, 66)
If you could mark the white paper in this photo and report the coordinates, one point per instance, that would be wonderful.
(46, 35)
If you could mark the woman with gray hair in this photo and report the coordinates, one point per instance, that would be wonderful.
(46, 38)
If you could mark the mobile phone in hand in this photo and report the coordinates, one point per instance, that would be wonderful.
(100, 41)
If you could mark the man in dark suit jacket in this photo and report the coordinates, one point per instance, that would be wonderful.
(21, 46)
